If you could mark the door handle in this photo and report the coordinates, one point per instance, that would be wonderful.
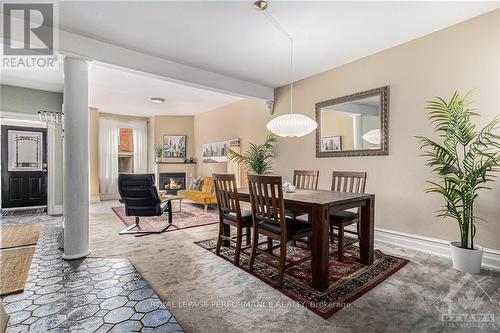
(44, 167)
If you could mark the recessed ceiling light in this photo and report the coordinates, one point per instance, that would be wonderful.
(260, 5)
(157, 100)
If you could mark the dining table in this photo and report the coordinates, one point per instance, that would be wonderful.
(318, 204)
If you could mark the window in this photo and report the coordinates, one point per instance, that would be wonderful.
(126, 150)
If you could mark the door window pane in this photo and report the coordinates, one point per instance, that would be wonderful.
(25, 151)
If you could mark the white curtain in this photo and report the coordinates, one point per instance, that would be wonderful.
(109, 131)
(140, 133)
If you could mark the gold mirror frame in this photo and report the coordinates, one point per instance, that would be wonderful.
(383, 92)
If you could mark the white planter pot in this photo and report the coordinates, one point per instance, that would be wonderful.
(466, 260)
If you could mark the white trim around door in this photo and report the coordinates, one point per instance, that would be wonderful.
(51, 182)
(32, 120)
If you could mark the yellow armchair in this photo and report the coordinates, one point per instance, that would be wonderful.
(205, 196)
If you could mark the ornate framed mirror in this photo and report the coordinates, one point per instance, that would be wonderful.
(354, 125)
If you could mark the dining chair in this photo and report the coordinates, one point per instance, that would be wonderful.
(231, 214)
(306, 179)
(269, 219)
(352, 182)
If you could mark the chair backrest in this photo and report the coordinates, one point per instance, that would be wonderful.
(227, 194)
(306, 179)
(347, 181)
(139, 194)
(266, 198)
(207, 185)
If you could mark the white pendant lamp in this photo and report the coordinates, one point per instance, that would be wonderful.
(372, 136)
(292, 124)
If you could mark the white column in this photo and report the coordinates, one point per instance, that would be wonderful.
(357, 131)
(76, 160)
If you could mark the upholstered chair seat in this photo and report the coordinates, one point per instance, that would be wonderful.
(293, 227)
(246, 216)
(343, 216)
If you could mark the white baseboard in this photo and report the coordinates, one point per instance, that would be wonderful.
(438, 247)
(109, 196)
(94, 199)
(58, 210)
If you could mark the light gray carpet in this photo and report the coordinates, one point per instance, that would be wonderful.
(207, 294)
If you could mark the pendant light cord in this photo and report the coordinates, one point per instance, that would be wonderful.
(287, 35)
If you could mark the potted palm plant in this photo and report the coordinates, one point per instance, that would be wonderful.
(257, 159)
(464, 159)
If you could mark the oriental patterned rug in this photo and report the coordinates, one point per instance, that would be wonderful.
(191, 216)
(349, 280)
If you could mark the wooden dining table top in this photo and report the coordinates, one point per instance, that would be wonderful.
(319, 203)
(318, 197)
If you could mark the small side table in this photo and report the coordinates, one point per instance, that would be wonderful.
(164, 197)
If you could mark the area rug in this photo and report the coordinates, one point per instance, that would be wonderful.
(21, 235)
(15, 265)
(191, 216)
(349, 280)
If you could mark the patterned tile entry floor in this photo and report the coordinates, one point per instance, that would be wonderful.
(90, 295)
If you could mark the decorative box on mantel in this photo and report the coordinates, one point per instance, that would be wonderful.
(187, 168)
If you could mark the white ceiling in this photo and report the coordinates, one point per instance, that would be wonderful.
(50, 80)
(116, 90)
(232, 38)
(121, 91)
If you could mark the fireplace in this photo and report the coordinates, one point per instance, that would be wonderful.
(171, 182)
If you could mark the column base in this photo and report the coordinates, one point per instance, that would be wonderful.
(75, 256)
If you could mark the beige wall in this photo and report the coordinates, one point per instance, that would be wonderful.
(120, 117)
(462, 57)
(94, 154)
(175, 125)
(151, 145)
(244, 119)
(338, 124)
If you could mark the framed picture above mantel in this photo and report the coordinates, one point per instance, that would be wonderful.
(174, 146)
(216, 152)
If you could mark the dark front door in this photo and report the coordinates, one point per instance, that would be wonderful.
(24, 166)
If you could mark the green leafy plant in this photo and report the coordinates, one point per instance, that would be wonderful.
(158, 150)
(464, 160)
(257, 159)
